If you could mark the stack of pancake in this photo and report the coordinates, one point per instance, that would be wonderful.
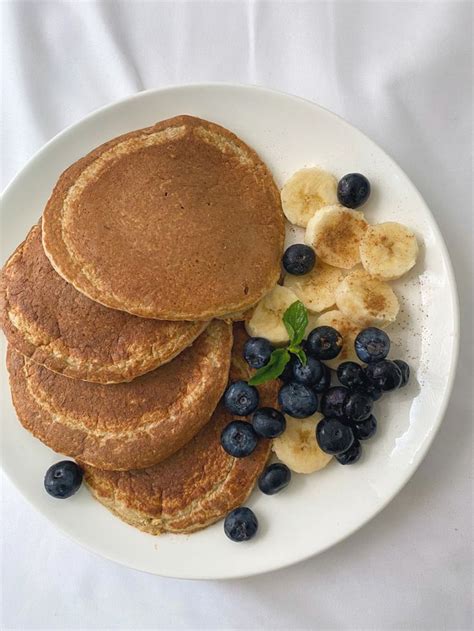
(121, 310)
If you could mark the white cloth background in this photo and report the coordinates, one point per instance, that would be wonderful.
(401, 72)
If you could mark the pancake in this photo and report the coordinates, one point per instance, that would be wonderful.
(193, 488)
(178, 221)
(48, 320)
(126, 425)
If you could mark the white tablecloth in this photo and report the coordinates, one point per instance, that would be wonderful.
(400, 72)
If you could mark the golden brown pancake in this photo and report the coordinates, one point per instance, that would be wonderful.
(197, 485)
(48, 320)
(125, 425)
(178, 221)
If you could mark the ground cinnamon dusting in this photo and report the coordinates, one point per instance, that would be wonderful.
(341, 237)
(374, 302)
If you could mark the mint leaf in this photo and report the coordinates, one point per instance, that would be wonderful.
(295, 320)
(276, 365)
(300, 354)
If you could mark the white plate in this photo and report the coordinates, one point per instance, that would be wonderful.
(319, 510)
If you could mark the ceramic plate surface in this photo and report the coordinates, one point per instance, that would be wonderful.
(318, 510)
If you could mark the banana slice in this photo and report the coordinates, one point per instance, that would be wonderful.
(305, 193)
(297, 446)
(367, 301)
(267, 319)
(335, 233)
(317, 289)
(388, 250)
(347, 329)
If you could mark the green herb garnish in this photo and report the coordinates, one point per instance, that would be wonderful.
(295, 320)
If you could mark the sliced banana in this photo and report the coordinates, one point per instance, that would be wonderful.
(335, 233)
(312, 323)
(317, 289)
(267, 319)
(347, 329)
(367, 301)
(388, 250)
(297, 446)
(306, 192)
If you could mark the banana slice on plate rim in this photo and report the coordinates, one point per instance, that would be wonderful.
(388, 250)
(366, 301)
(306, 192)
(335, 234)
(317, 288)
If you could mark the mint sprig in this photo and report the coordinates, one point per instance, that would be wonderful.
(295, 320)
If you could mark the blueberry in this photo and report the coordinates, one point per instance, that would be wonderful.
(309, 374)
(353, 190)
(357, 407)
(325, 382)
(351, 455)
(241, 399)
(297, 400)
(275, 478)
(333, 401)
(240, 524)
(351, 375)
(63, 479)
(268, 422)
(372, 345)
(299, 259)
(239, 439)
(405, 370)
(324, 342)
(333, 436)
(257, 351)
(287, 374)
(384, 375)
(373, 392)
(363, 430)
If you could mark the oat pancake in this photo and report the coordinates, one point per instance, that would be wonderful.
(48, 320)
(178, 221)
(126, 425)
(197, 485)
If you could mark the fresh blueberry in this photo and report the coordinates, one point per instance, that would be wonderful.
(363, 430)
(372, 345)
(351, 375)
(333, 436)
(357, 407)
(308, 374)
(63, 479)
(384, 375)
(334, 400)
(275, 478)
(405, 370)
(240, 524)
(257, 351)
(325, 382)
(268, 422)
(287, 374)
(299, 259)
(239, 439)
(297, 400)
(241, 399)
(324, 342)
(374, 393)
(351, 455)
(353, 190)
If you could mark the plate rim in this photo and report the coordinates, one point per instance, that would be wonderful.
(453, 290)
